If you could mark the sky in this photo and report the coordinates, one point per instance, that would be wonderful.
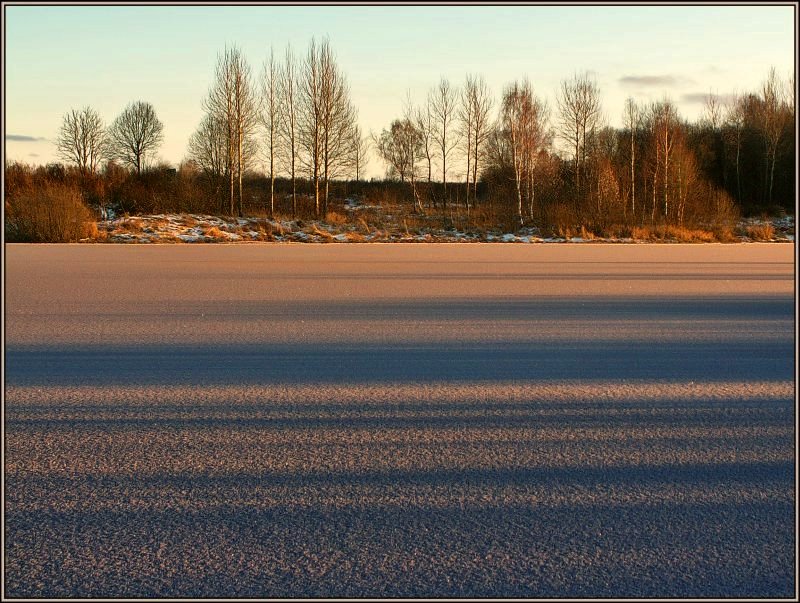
(57, 58)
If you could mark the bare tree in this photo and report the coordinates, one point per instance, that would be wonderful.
(481, 126)
(311, 118)
(579, 112)
(246, 112)
(712, 111)
(512, 123)
(664, 130)
(233, 103)
(773, 117)
(135, 134)
(735, 120)
(632, 117)
(393, 148)
(789, 90)
(288, 121)
(538, 139)
(338, 119)
(219, 106)
(473, 115)
(466, 116)
(82, 139)
(360, 150)
(443, 103)
(423, 119)
(327, 120)
(713, 120)
(415, 146)
(400, 147)
(208, 146)
(270, 118)
(523, 119)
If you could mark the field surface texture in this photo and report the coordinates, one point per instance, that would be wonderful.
(399, 421)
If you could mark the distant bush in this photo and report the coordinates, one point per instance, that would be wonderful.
(51, 213)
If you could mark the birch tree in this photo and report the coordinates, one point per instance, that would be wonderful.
(270, 118)
(400, 147)
(632, 117)
(423, 120)
(735, 121)
(466, 116)
(523, 119)
(443, 104)
(664, 130)
(232, 101)
(288, 126)
(578, 105)
(481, 126)
(338, 119)
(327, 120)
(773, 117)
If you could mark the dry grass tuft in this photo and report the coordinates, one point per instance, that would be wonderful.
(724, 234)
(679, 234)
(233, 229)
(354, 237)
(214, 233)
(263, 230)
(644, 233)
(761, 232)
(363, 223)
(335, 219)
(565, 232)
(326, 236)
(130, 225)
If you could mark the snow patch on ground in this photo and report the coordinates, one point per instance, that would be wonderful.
(198, 228)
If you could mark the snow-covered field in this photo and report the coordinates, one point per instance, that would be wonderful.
(195, 228)
(399, 421)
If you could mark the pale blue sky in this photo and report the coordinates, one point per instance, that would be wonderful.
(62, 57)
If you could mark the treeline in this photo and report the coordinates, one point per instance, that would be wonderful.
(286, 141)
(656, 169)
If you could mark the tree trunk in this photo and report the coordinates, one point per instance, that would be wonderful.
(666, 182)
(517, 178)
(738, 175)
(633, 178)
(294, 187)
(271, 173)
(241, 204)
(772, 174)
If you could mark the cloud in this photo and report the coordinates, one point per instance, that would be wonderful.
(24, 138)
(33, 154)
(700, 97)
(651, 80)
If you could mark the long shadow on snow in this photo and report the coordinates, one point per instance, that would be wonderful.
(758, 359)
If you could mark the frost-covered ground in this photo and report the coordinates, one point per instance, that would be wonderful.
(196, 228)
(399, 421)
